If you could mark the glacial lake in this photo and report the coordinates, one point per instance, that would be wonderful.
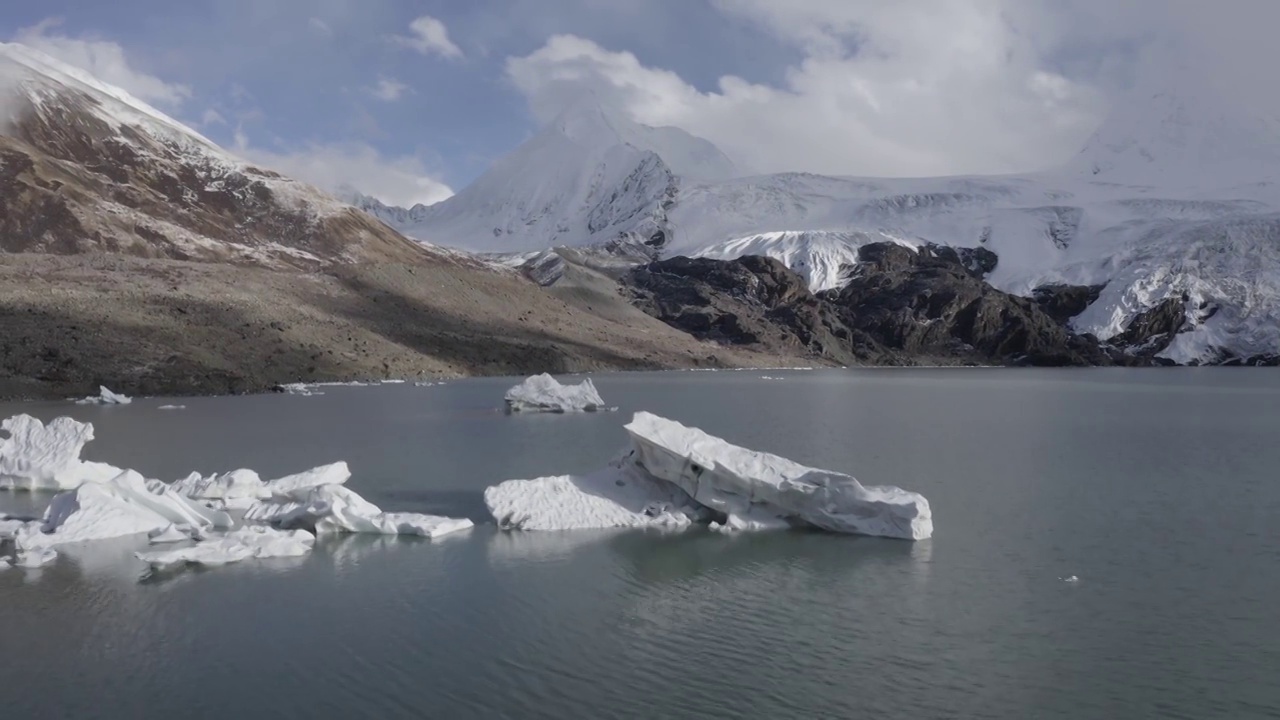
(1158, 489)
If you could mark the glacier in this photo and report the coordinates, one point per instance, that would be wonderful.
(674, 476)
(1173, 197)
(543, 393)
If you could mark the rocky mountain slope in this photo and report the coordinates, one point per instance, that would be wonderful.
(1174, 197)
(897, 305)
(137, 254)
(84, 167)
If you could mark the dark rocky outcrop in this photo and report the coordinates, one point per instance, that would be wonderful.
(1063, 302)
(1151, 331)
(751, 300)
(931, 303)
(899, 306)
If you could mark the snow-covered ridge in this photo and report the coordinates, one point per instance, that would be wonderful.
(44, 78)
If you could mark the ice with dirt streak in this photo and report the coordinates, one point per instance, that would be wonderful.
(543, 393)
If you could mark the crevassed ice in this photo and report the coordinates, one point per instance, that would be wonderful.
(543, 393)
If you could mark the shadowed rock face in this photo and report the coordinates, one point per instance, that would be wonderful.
(1063, 302)
(931, 303)
(72, 182)
(899, 306)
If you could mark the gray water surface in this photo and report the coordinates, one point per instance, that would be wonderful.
(1158, 489)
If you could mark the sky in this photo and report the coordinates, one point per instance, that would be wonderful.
(409, 101)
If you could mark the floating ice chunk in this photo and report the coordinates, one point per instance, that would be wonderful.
(620, 495)
(34, 558)
(36, 456)
(105, 397)
(169, 534)
(542, 393)
(241, 544)
(125, 505)
(330, 509)
(1070, 579)
(749, 485)
(172, 407)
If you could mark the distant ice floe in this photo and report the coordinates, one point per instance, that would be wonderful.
(543, 393)
(172, 407)
(208, 519)
(105, 397)
(673, 475)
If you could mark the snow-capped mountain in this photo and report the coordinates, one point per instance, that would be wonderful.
(84, 166)
(1172, 197)
(588, 176)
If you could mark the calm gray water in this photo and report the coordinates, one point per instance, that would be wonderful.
(1157, 488)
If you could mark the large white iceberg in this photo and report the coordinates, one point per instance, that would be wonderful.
(674, 475)
(37, 456)
(105, 397)
(125, 505)
(620, 495)
(241, 544)
(542, 393)
(749, 486)
(329, 509)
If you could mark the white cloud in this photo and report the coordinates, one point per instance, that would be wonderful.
(388, 89)
(104, 60)
(338, 167)
(429, 35)
(883, 89)
(212, 117)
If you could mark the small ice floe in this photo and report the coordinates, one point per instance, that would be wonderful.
(172, 407)
(673, 475)
(542, 393)
(34, 558)
(105, 397)
(233, 546)
(769, 377)
(297, 389)
(1070, 579)
(425, 383)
